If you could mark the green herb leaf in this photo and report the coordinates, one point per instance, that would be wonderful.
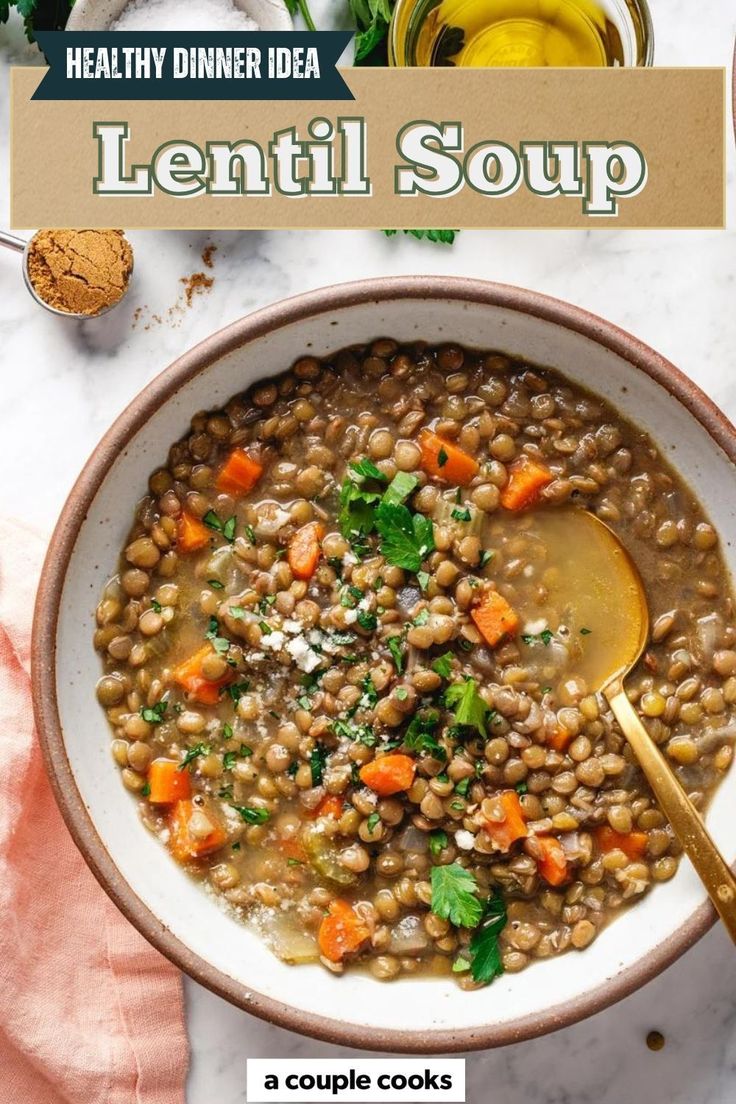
(544, 637)
(251, 815)
(469, 708)
(461, 515)
(372, 821)
(585, 632)
(367, 620)
(229, 760)
(420, 735)
(423, 579)
(228, 529)
(366, 469)
(155, 606)
(441, 237)
(194, 753)
(406, 538)
(145, 790)
(460, 966)
(454, 896)
(486, 557)
(442, 666)
(395, 645)
(437, 841)
(237, 689)
(318, 762)
(215, 584)
(154, 714)
(484, 949)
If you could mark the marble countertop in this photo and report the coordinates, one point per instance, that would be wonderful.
(62, 385)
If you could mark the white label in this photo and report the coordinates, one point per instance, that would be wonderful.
(317, 1080)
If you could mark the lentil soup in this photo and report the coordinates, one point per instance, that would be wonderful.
(343, 688)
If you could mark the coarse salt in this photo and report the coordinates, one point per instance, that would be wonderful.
(172, 15)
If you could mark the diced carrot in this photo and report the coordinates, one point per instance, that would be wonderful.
(341, 932)
(189, 676)
(553, 864)
(526, 479)
(167, 783)
(239, 474)
(304, 550)
(633, 844)
(494, 617)
(512, 827)
(443, 460)
(183, 845)
(191, 534)
(390, 774)
(560, 739)
(292, 849)
(331, 805)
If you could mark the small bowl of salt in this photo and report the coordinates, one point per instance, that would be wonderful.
(173, 15)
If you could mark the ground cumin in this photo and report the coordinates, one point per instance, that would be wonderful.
(80, 271)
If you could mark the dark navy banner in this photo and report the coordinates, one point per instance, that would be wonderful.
(211, 65)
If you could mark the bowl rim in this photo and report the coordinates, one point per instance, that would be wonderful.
(46, 614)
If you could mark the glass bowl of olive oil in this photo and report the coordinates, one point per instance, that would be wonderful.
(521, 33)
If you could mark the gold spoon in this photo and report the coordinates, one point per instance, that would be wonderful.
(610, 607)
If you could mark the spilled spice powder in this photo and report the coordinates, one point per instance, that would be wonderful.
(196, 283)
(80, 271)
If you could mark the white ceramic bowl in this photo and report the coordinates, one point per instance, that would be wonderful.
(171, 910)
(98, 15)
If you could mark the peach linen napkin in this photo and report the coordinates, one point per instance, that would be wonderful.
(90, 1013)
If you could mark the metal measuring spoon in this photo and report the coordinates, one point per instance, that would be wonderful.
(598, 584)
(18, 245)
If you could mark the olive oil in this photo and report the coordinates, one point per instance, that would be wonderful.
(478, 33)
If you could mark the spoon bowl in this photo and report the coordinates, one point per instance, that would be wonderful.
(606, 620)
(18, 245)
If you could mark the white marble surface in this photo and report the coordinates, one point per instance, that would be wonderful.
(62, 385)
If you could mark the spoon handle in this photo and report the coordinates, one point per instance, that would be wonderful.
(686, 821)
(11, 242)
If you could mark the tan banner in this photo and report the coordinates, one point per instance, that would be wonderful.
(418, 148)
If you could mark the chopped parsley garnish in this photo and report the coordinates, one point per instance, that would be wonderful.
(367, 620)
(220, 643)
(194, 753)
(215, 584)
(585, 632)
(437, 841)
(229, 760)
(145, 790)
(486, 557)
(317, 763)
(369, 697)
(237, 689)
(406, 538)
(265, 628)
(156, 606)
(359, 733)
(423, 579)
(485, 955)
(225, 528)
(227, 731)
(236, 847)
(442, 458)
(401, 693)
(336, 564)
(442, 666)
(461, 515)
(469, 708)
(395, 645)
(455, 896)
(154, 714)
(237, 613)
(357, 501)
(372, 821)
(294, 862)
(462, 787)
(251, 815)
(366, 469)
(421, 732)
(544, 637)
(422, 617)
(250, 534)
(521, 788)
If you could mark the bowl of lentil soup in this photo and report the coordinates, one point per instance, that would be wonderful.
(345, 739)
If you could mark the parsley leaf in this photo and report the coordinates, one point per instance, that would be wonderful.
(461, 515)
(251, 815)
(441, 237)
(215, 584)
(454, 896)
(318, 762)
(395, 645)
(225, 528)
(366, 469)
(484, 950)
(469, 707)
(194, 753)
(406, 538)
(367, 620)
(421, 736)
(437, 841)
(442, 666)
(154, 714)
(544, 637)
